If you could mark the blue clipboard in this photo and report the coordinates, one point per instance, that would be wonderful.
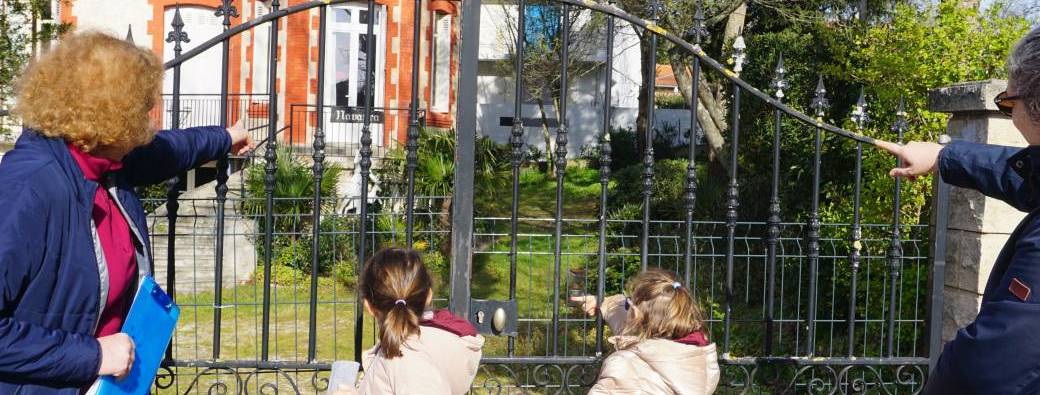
(150, 323)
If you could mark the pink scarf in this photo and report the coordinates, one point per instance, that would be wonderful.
(116, 242)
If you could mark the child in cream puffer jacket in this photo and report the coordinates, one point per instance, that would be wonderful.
(419, 351)
(661, 346)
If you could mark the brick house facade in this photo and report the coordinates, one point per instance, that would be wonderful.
(296, 83)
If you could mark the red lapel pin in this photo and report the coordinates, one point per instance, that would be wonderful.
(1019, 289)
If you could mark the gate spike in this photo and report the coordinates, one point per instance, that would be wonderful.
(820, 102)
(739, 54)
(900, 125)
(129, 34)
(177, 23)
(779, 83)
(178, 35)
(859, 112)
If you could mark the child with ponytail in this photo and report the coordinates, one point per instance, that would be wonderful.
(660, 340)
(419, 351)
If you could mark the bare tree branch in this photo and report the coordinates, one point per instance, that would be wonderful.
(725, 11)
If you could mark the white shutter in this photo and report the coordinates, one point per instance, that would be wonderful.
(441, 63)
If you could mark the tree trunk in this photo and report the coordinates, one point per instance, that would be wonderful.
(735, 23)
(444, 220)
(547, 137)
(647, 70)
(708, 121)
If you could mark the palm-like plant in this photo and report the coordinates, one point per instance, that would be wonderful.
(293, 192)
(435, 172)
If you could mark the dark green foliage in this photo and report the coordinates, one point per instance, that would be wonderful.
(625, 152)
(293, 192)
(434, 175)
(670, 101)
(668, 196)
(152, 196)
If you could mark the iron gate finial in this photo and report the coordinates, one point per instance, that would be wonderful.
(779, 83)
(178, 35)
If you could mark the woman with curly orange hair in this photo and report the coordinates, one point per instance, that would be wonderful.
(73, 237)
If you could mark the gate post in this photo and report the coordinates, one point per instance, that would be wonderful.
(977, 230)
(465, 160)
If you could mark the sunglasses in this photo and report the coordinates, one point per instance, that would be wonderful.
(1005, 103)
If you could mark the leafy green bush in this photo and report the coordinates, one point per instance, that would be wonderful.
(345, 272)
(152, 196)
(335, 244)
(670, 101)
(624, 148)
(293, 192)
(288, 262)
(434, 175)
(668, 191)
(439, 268)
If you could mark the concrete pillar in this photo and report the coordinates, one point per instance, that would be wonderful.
(978, 225)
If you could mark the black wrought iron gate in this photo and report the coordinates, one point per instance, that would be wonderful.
(544, 346)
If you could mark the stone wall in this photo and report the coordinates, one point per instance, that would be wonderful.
(978, 225)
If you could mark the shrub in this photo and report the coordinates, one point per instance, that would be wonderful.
(624, 148)
(671, 101)
(293, 192)
(345, 272)
(152, 196)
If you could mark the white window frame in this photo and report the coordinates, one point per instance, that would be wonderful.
(354, 27)
(440, 63)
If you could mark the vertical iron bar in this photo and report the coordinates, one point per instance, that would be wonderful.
(462, 196)
(604, 179)
(561, 171)
(859, 117)
(177, 36)
(820, 104)
(648, 149)
(774, 209)
(732, 203)
(319, 172)
(516, 141)
(940, 220)
(269, 168)
(366, 166)
(412, 144)
(691, 166)
(228, 11)
(895, 250)
(855, 239)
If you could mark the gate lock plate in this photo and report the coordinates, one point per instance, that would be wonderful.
(494, 317)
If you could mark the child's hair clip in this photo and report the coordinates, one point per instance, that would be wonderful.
(676, 285)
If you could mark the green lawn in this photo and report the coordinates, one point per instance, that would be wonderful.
(535, 257)
(241, 323)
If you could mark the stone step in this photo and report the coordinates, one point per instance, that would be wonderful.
(195, 237)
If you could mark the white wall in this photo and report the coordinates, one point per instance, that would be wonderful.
(113, 17)
(584, 111)
(496, 89)
(200, 74)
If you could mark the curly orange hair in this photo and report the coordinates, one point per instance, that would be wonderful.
(93, 90)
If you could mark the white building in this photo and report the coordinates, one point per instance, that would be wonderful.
(496, 92)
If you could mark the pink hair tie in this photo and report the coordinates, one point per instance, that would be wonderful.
(401, 302)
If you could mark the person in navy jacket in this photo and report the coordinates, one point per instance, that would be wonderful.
(998, 353)
(73, 233)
